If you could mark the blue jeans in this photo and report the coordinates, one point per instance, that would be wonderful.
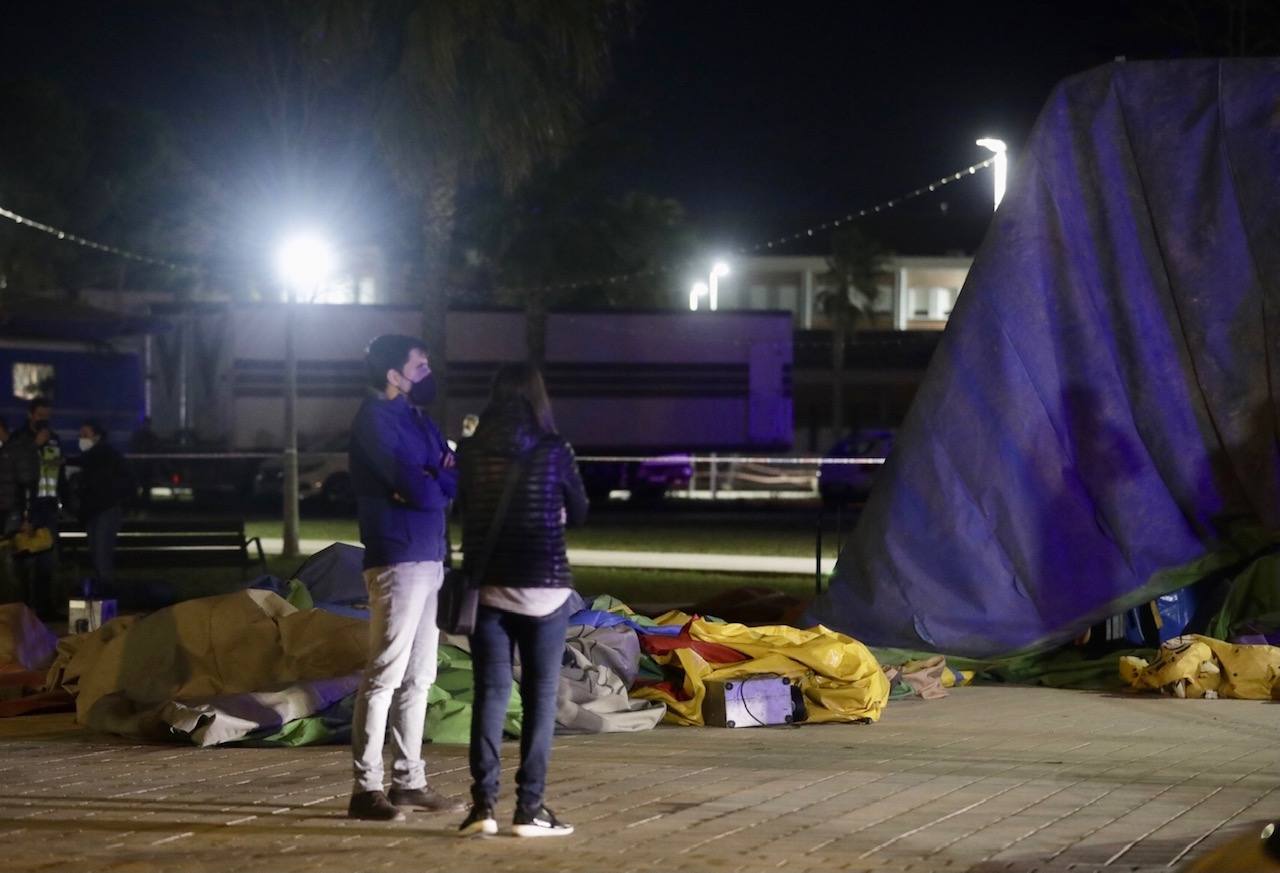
(540, 641)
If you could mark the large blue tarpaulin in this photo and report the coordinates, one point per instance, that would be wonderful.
(1103, 402)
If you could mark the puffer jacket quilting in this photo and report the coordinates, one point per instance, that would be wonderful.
(530, 552)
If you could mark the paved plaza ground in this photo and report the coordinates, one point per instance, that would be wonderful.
(992, 778)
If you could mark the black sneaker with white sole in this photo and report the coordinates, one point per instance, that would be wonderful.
(541, 823)
(479, 821)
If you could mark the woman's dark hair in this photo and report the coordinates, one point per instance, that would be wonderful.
(96, 426)
(524, 381)
(389, 352)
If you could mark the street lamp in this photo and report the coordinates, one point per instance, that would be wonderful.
(1000, 169)
(304, 262)
(698, 290)
(718, 269)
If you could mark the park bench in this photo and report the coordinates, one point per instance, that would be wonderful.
(158, 543)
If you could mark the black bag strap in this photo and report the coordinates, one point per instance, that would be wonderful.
(499, 518)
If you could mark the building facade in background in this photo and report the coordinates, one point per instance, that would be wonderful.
(914, 292)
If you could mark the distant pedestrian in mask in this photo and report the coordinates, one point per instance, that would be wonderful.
(40, 485)
(103, 487)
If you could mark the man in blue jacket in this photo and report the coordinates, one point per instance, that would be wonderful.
(403, 475)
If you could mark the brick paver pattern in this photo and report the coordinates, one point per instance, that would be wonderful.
(989, 779)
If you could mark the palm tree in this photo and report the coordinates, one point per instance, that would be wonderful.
(470, 89)
(847, 300)
(562, 254)
(449, 93)
(112, 174)
(567, 239)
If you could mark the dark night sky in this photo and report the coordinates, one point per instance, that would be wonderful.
(760, 117)
(763, 117)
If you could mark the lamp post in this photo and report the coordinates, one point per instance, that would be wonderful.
(698, 290)
(999, 169)
(304, 262)
(718, 269)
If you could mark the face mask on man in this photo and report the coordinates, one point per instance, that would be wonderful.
(423, 392)
(87, 443)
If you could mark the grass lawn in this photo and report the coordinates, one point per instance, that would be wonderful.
(645, 587)
(787, 533)
(332, 529)
(784, 534)
(678, 587)
(642, 586)
(682, 536)
(715, 529)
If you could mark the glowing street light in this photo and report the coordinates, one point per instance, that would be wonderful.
(1000, 169)
(304, 263)
(698, 290)
(718, 269)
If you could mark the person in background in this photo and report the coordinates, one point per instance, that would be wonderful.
(10, 517)
(524, 594)
(144, 439)
(470, 422)
(9, 513)
(104, 485)
(403, 476)
(41, 482)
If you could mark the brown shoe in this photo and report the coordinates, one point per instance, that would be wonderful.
(373, 806)
(426, 798)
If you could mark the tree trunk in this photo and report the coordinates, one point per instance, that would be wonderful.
(438, 219)
(292, 521)
(837, 379)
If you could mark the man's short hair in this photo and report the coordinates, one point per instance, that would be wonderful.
(95, 427)
(38, 403)
(389, 352)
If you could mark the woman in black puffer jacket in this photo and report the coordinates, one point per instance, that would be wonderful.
(525, 589)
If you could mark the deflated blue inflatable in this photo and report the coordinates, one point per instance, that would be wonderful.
(1103, 402)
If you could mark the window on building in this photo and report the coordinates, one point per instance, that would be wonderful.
(33, 380)
(918, 298)
(940, 300)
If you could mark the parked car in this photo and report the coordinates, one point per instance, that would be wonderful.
(323, 476)
(194, 471)
(648, 481)
(843, 483)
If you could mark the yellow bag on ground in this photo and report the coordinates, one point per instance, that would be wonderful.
(33, 542)
(1193, 666)
(839, 677)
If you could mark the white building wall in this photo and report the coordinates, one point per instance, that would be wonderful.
(923, 292)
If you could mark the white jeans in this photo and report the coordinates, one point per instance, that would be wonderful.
(402, 665)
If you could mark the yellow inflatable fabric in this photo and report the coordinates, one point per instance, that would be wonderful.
(839, 677)
(1196, 666)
